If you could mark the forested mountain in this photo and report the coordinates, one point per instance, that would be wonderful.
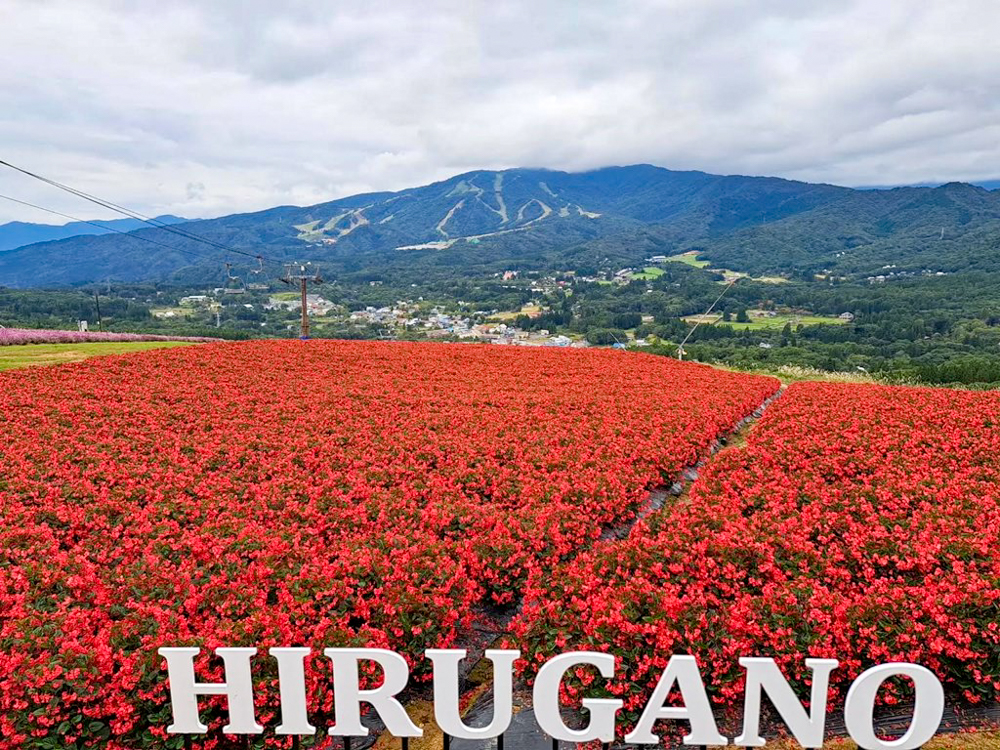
(949, 228)
(18, 233)
(534, 219)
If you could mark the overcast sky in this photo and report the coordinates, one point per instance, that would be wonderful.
(208, 107)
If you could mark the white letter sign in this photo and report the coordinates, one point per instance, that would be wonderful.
(927, 709)
(292, 687)
(546, 699)
(184, 691)
(696, 709)
(763, 676)
(446, 710)
(348, 696)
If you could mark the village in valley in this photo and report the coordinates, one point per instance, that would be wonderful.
(405, 318)
(373, 313)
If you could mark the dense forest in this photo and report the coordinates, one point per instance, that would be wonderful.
(931, 329)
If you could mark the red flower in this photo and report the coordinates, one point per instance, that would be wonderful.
(307, 493)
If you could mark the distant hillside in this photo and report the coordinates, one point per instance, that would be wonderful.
(18, 233)
(950, 228)
(487, 221)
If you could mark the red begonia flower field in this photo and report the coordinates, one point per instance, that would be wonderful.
(282, 493)
(859, 522)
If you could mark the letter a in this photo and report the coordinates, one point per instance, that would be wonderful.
(696, 709)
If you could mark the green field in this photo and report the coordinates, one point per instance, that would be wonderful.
(648, 273)
(27, 355)
(310, 232)
(761, 323)
(779, 321)
(690, 258)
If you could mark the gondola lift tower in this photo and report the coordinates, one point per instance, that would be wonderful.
(301, 274)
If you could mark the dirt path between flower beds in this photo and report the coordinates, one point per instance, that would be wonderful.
(492, 623)
(734, 440)
(959, 730)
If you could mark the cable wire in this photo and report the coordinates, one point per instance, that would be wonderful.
(680, 348)
(104, 227)
(136, 215)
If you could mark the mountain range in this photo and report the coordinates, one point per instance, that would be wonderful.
(486, 221)
(18, 233)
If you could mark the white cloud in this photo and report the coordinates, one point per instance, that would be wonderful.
(202, 108)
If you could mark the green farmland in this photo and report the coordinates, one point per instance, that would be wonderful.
(28, 355)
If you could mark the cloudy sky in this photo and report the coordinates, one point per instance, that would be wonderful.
(205, 108)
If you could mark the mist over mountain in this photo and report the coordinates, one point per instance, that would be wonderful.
(534, 219)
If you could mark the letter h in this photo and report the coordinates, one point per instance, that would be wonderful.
(184, 691)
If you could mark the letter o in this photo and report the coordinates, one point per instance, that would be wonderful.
(859, 708)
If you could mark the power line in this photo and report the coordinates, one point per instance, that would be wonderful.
(135, 214)
(103, 226)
